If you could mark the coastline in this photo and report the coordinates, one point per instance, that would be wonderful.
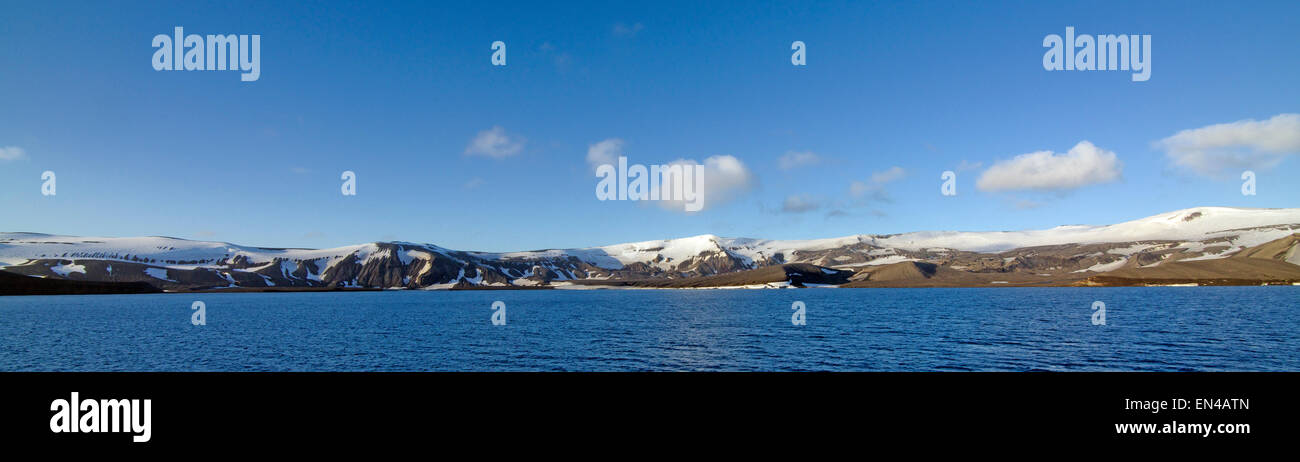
(636, 287)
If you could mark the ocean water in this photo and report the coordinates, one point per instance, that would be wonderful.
(997, 329)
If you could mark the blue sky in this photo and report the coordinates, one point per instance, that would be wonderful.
(397, 92)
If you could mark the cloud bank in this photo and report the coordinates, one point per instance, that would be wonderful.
(725, 179)
(1084, 164)
(1217, 149)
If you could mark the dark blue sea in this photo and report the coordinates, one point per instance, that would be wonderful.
(996, 329)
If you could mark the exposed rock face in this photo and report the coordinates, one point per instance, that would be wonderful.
(1250, 245)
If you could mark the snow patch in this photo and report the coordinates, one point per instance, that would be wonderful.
(1104, 267)
(64, 270)
(161, 273)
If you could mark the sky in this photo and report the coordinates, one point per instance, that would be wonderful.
(449, 149)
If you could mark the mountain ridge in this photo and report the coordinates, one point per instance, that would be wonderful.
(1063, 255)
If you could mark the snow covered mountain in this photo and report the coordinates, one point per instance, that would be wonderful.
(1065, 252)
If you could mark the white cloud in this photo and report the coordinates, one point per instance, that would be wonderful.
(725, 178)
(1244, 144)
(875, 187)
(604, 152)
(800, 203)
(1083, 165)
(793, 159)
(495, 143)
(12, 153)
